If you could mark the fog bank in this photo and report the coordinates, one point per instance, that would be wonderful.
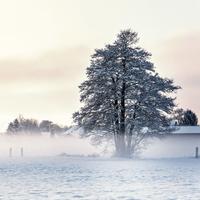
(44, 145)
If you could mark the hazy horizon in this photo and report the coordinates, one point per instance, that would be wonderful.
(46, 47)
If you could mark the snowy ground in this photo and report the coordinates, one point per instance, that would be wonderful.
(62, 178)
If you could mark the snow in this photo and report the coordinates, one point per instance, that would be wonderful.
(61, 178)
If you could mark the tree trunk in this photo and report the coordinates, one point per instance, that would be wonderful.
(121, 151)
(120, 146)
(129, 142)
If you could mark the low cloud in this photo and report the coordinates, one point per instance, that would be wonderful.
(58, 64)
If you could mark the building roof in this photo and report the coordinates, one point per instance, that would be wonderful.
(187, 130)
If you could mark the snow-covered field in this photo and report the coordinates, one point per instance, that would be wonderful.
(62, 178)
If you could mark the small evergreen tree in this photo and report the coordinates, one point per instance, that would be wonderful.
(189, 118)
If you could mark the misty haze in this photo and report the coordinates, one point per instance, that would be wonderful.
(99, 100)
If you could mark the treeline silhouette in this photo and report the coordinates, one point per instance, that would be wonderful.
(22, 125)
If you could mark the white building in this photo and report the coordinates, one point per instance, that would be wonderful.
(180, 143)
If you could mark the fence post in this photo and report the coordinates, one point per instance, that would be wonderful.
(197, 152)
(10, 152)
(22, 152)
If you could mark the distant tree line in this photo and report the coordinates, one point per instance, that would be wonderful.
(22, 125)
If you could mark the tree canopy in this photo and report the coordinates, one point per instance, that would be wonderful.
(123, 97)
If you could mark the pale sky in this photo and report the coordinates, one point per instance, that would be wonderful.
(45, 47)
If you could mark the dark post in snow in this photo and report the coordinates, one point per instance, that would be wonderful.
(22, 152)
(197, 152)
(10, 152)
